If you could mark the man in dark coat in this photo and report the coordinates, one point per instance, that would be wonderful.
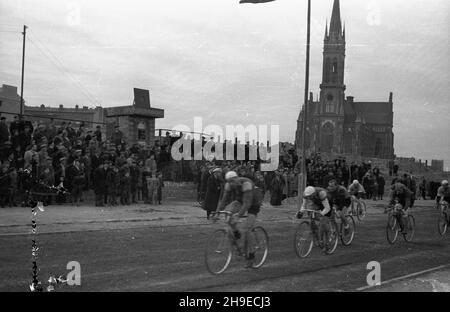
(381, 183)
(99, 180)
(204, 181)
(134, 181)
(76, 180)
(4, 132)
(213, 191)
(276, 189)
(5, 182)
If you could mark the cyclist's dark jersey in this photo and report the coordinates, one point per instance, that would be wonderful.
(242, 185)
(400, 192)
(339, 197)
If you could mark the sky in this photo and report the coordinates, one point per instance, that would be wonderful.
(232, 63)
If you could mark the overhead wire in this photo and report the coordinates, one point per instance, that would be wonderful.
(55, 60)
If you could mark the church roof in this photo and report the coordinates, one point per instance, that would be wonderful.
(378, 113)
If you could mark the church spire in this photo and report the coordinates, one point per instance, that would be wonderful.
(326, 30)
(343, 32)
(335, 23)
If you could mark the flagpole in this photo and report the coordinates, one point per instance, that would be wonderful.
(303, 175)
(24, 33)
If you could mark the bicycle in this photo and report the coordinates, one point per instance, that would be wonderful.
(360, 210)
(305, 240)
(222, 243)
(444, 218)
(346, 235)
(393, 226)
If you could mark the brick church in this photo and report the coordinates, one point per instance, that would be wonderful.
(336, 124)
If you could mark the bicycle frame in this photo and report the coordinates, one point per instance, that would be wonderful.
(314, 220)
(229, 230)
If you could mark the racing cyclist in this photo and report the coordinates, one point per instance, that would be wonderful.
(400, 192)
(315, 198)
(340, 200)
(356, 189)
(241, 196)
(443, 193)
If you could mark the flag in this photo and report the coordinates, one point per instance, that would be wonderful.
(255, 1)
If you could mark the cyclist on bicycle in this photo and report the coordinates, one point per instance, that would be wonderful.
(315, 198)
(443, 193)
(403, 195)
(356, 189)
(340, 200)
(241, 196)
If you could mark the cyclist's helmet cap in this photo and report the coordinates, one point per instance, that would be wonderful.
(309, 191)
(445, 182)
(230, 175)
(355, 182)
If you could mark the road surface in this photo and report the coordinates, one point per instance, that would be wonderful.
(169, 256)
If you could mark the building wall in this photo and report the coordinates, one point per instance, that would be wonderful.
(86, 115)
(9, 102)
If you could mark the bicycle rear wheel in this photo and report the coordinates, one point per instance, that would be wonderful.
(411, 228)
(303, 240)
(218, 252)
(348, 235)
(392, 229)
(442, 223)
(261, 246)
(331, 239)
(361, 210)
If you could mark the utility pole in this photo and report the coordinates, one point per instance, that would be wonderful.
(302, 177)
(24, 33)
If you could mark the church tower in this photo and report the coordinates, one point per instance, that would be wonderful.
(329, 117)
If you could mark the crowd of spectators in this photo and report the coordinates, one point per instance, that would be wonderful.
(79, 160)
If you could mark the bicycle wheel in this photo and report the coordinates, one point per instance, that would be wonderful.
(331, 239)
(218, 252)
(261, 246)
(303, 240)
(392, 229)
(442, 223)
(361, 210)
(411, 228)
(348, 235)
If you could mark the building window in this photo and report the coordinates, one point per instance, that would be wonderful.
(141, 131)
(329, 108)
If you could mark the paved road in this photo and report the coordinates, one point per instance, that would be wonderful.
(169, 257)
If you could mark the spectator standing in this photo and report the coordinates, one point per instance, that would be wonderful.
(381, 183)
(99, 179)
(276, 189)
(213, 191)
(4, 132)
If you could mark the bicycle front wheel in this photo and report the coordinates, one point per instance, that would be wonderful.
(442, 224)
(303, 240)
(331, 239)
(411, 228)
(347, 235)
(392, 229)
(218, 252)
(261, 246)
(361, 210)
